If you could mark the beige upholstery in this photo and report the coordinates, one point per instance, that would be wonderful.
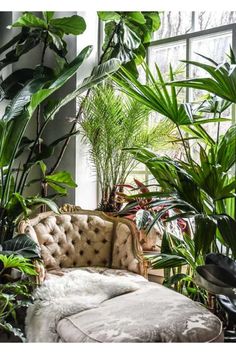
(85, 238)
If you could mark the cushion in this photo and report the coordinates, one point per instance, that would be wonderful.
(151, 314)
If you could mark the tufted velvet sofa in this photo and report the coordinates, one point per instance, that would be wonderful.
(110, 245)
(86, 239)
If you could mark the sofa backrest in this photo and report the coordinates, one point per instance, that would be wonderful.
(85, 239)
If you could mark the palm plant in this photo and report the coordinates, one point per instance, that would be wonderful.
(222, 80)
(158, 98)
(110, 124)
(198, 190)
(202, 187)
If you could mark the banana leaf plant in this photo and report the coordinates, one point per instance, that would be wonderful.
(13, 126)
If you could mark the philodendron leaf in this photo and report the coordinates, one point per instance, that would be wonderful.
(29, 20)
(22, 245)
(69, 25)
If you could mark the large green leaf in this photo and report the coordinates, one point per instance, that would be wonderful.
(108, 15)
(14, 82)
(227, 227)
(38, 201)
(205, 233)
(167, 261)
(127, 35)
(226, 151)
(48, 15)
(98, 74)
(221, 83)
(69, 25)
(22, 245)
(64, 76)
(29, 20)
(63, 177)
(155, 95)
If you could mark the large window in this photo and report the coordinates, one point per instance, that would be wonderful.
(184, 34)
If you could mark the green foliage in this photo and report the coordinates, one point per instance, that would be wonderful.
(156, 96)
(22, 245)
(17, 262)
(112, 123)
(127, 35)
(179, 255)
(222, 80)
(14, 296)
(28, 89)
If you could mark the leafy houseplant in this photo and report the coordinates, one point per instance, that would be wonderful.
(111, 123)
(15, 296)
(126, 35)
(202, 187)
(25, 101)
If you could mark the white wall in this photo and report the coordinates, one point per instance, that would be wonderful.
(86, 193)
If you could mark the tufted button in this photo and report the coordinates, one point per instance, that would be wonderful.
(117, 252)
(89, 263)
(60, 265)
(81, 253)
(74, 263)
(88, 242)
(59, 243)
(104, 261)
(126, 255)
(96, 230)
(67, 253)
(80, 231)
(125, 241)
(53, 254)
(96, 251)
(104, 241)
(73, 242)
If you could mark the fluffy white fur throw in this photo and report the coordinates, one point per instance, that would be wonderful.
(59, 297)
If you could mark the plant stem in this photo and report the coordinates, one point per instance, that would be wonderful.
(183, 142)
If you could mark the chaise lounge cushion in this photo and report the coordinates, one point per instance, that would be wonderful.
(151, 314)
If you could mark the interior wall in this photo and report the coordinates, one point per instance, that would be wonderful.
(86, 193)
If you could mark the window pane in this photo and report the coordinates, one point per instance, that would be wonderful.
(210, 19)
(174, 23)
(215, 47)
(167, 54)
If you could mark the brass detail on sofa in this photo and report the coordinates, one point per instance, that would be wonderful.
(86, 238)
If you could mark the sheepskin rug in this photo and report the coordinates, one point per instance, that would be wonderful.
(59, 297)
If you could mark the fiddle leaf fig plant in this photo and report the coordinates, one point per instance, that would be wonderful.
(127, 35)
(26, 99)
